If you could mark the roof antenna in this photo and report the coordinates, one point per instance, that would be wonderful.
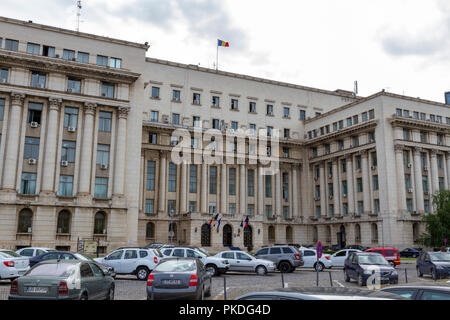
(355, 88)
(78, 14)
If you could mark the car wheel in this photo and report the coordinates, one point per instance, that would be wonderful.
(360, 281)
(419, 274)
(392, 263)
(208, 293)
(347, 278)
(202, 293)
(284, 267)
(434, 274)
(142, 273)
(261, 270)
(319, 266)
(213, 269)
(84, 297)
(110, 294)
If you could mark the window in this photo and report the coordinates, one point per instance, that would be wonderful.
(302, 115)
(408, 182)
(216, 124)
(318, 114)
(193, 178)
(358, 162)
(115, 63)
(335, 126)
(440, 139)
(232, 208)
(341, 144)
(317, 192)
(48, 51)
(68, 54)
(406, 113)
(33, 48)
(63, 226)
(65, 186)
(11, 45)
(196, 122)
(355, 140)
(344, 188)
(234, 104)
(149, 206)
(102, 61)
(327, 148)
(423, 137)
(38, 79)
(251, 209)
(2, 108)
(344, 165)
(83, 57)
(330, 190)
(171, 206)
(25, 222)
(287, 133)
(176, 95)
(423, 116)
(232, 181)
(68, 151)
(154, 116)
(426, 203)
(270, 110)
(31, 149)
(34, 112)
(175, 118)
(155, 93)
(409, 205)
(345, 209)
(440, 161)
(331, 210)
(150, 180)
(212, 207)
(103, 154)
(286, 212)
(104, 124)
(269, 131)
(108, 90)
(234, 125)
(425, 183)
(251, 183)
(285, 152)
(349, 122)
(28, 185)
(101, 188)
(355, 119)
(268, 211)
(375, 183)
(441, 183)
(359, 185)
(268, 184)
(74, 85)
(318, 212)
(196, 99)
(432, 118)
(373, 157)
(3, 75)
(252, 107)
(360, 207)
(286, 112)
(364, 116)
(285, 185)
(71, 117)
(371, 114)
(341, 124)
(192, 206)
(172, 185)
(216, 101)
(423, 159)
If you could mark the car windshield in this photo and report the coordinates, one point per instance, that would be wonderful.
(63, 270)
(372, 259)
(440, 256)
(82, 257)
(206, 253)
(9, 254)
(176, 266)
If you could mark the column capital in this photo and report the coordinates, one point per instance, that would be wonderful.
(433, 152)
(90, 108)
(363, 153)
(163, 153)
(447, 155)
(399, 148)
(349, 157)
(123, 112)
(417, 150)
(55, 103)
(17, 98)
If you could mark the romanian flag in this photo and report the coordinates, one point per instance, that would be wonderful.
(218, 226)
(221, 43)
(246, 223)
(214, 219)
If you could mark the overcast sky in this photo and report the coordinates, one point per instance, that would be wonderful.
(402, 46)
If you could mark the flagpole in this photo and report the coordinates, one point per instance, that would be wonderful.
(217, 55)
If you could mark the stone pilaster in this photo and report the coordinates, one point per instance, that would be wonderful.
(119, 171)
(418, 180)
(350, 185)
(434, 171)
(400, 177)
(162, 181)
(365, 179)
(336, 184)
(87, 149)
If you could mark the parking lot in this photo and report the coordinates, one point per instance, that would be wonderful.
(128, 288)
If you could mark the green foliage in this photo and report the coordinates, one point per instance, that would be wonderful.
(438, 225)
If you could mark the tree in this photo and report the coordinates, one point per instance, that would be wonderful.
(438, 225)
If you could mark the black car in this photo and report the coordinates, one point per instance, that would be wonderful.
(436, 264)
(361, 265)
(409, 253)
(66, 255)
(420, 292)
(358, 247)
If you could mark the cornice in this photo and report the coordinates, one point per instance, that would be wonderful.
(414, 124)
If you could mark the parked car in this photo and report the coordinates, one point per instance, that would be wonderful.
(361, 265)
(63, 280)
(320, 293)
(309, 257)
(436, 264)
(391, 255)
(179, 278)
(409, 253)
(358, 247)
(243, 262)
(12, 265)
(338, 259)
(215, 265)
(286, 258)
(33, 252)
(135, 260)
(420, 292)
(155, 245)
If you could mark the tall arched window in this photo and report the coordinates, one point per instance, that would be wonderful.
(374, 232)
(150, 231)
(271, 234)
(206, 235)
(100, 223)
(172, 232)
(227, 236)
(416, 232)
(25, 221)
(289, 235)
(357, 233)
(248, 237)
(63, 222)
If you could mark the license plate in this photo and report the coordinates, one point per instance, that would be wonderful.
(36, 289)
(172, 282)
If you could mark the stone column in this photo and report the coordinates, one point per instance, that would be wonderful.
(401, 186)
(86, 148)
(350, 189)
(323, 190)
(48, 184)
(242, 191)
(434, 171)
(223, 189)
(418, 180)
(278, 193)
(204, 188)
(183, 195)
(13, 141)
(162, 181)
(295, 197)
(365, 179)
(336, 195)
(447, 159)
(119, 172)
(260, 190)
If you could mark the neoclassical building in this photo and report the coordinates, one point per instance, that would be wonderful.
(89, 127)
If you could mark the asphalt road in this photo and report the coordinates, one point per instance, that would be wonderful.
(128, 288)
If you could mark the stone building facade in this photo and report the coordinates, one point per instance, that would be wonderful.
(88, 127)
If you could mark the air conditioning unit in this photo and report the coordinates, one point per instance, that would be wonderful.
(345, 196)
(57, 56)
(73, 59)
(39, 85)
(103, 166)
(103, 94)
(316, 178)
(425, 168)
(69, 89)
(71, 129)
(409, 165)
(165, 118)
(316, 198)
(426, 193)
(410, 190)
(330, 176)
(351, 146)
(64, 163)
(2, 80)
(30, 230)
(173, 143)
(331, 197)
(374, 167)
(34, 124)
(32, 161)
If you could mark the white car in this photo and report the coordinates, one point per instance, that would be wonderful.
(135, 261)
(241, 261)
(338, 259)
(33, 252)
(12, 265)
(215, 265)
(309, 257)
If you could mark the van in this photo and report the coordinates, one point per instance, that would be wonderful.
(391, 255)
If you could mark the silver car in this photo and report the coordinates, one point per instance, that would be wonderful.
(241, 261)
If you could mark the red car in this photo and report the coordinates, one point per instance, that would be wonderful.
(391, 255)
